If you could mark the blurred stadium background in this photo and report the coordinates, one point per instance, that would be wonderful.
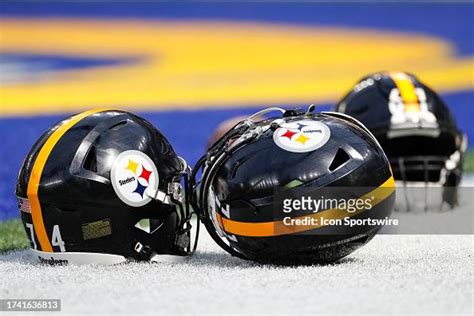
(188, 66)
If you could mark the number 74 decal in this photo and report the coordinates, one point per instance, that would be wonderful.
(56, 239)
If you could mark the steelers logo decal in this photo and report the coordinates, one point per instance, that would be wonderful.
(132, 175)
(301, 136)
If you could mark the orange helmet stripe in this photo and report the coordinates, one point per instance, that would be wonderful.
(37, 171)
(268, 229)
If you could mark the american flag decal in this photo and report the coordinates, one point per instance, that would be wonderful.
(24, 205)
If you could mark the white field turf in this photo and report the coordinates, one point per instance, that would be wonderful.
(393, 274)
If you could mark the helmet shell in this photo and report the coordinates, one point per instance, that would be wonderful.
(248, 181)
(74, 190)
(412, 123)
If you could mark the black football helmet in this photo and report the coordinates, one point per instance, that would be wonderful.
(102, 187)
(416, 131)
(243, 178)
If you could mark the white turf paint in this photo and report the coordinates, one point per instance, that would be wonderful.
(396, 274)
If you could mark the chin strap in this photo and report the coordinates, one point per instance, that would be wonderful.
(171, 197)
(180, 199)
(159, 196)
(174, 194)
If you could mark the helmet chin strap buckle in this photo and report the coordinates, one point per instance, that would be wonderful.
(175, 192)
(182, 240)
(144, 252)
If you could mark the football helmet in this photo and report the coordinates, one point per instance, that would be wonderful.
(239, 186)
(102, 187)
(416, 131)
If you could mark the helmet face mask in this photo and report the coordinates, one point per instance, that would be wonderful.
(247, 171)
(104, 187)
(416, 130)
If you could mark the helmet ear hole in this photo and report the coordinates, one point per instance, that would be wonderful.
(340, 158)
(90, 163)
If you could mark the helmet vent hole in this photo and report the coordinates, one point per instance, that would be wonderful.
(90, 162)
(117, 126)
(341, 158)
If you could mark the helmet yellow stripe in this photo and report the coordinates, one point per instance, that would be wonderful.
(36, 172)
(267, 229)
(407, 91)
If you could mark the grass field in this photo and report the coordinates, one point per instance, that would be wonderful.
(12, 235)
(469, 162)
